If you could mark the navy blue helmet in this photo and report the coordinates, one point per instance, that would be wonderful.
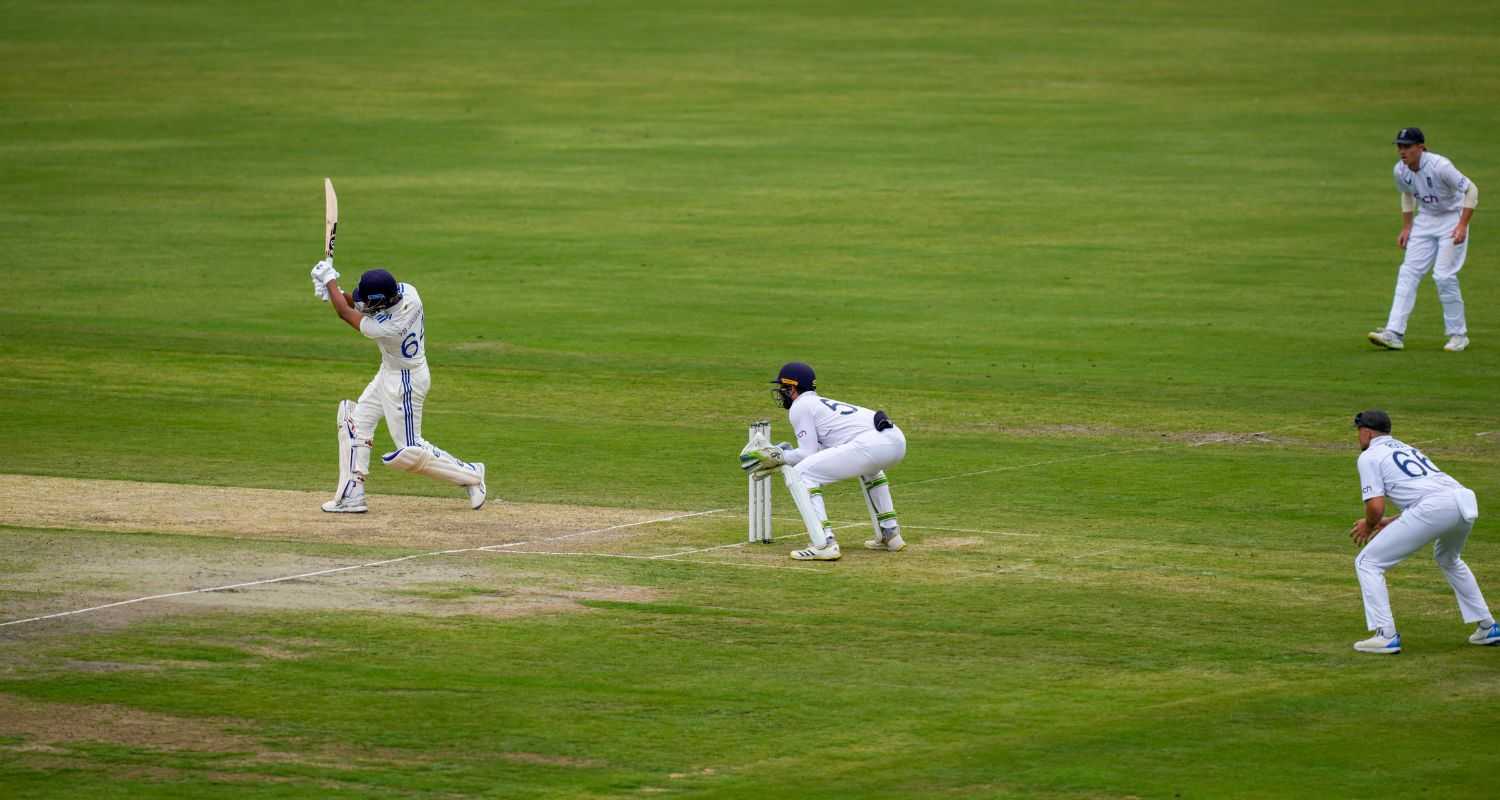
(377, 291)
(794, 375)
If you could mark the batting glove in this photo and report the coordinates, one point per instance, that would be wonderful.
(323, 272)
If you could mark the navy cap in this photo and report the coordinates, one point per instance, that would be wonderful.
(1410, 136)
(1374, 419)
(796, 375)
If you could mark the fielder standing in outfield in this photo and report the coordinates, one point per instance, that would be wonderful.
(835, 441)
(1434, 508)
(1437, 239)
(391, 314)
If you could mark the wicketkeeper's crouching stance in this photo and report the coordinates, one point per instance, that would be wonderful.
(835, 441)
(391, 314)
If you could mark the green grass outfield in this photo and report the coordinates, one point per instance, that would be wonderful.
(1080, 252)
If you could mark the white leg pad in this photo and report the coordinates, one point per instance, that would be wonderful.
(354, 455)
(877, 493)
(818, 529)
(424, 459)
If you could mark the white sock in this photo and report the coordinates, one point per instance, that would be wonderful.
(1388, 633)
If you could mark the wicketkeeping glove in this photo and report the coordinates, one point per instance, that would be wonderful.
(761, 458)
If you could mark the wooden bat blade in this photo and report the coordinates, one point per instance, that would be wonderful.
(330, 217)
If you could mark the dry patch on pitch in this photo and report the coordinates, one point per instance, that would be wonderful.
(49, 726)
(46, 735)
(64, 572)
(416, 522)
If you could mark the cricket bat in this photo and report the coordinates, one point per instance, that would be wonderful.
(330, 217)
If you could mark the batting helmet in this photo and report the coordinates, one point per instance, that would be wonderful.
(793, 375)
(377, 290)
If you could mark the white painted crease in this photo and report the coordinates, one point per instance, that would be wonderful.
(1085, 456)
(676, 556)
(333, 570)
(665, 557)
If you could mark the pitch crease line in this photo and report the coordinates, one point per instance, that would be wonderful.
(666, 557)
(334, 570)
(1064, 459)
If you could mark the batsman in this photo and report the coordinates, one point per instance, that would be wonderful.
(391, 314)
(835, 441)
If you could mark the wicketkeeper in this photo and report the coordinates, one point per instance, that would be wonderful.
(835, 441)
(391, 314)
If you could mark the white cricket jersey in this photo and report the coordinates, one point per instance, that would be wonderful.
(1438, 187)
(820, 423)
(1393, 469)
(399, 331)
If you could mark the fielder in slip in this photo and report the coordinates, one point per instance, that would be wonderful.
(1434, 508)
(835, 441)
(391, 314)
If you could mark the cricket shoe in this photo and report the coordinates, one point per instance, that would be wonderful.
(477, 492)
(353, 504)
(1486, 635)
(828, 552)
(1390, 340)
(1380, 644)
(887, 540)
(1457, 344)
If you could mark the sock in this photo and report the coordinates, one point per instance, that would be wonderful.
(1389, 633)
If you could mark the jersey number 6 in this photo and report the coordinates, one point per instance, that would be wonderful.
(1413, 463)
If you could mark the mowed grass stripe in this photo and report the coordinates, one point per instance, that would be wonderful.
(1035, 238)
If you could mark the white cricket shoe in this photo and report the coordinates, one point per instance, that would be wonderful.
(1390, 340)
(477, 492)
(1457, 344)
(887, 540)
(1486, 635)
(353, 504)
(1379, 644)
(828, 552)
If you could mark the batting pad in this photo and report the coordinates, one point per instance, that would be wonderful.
(354, 454)
(818, 529)
(877, 488)
(432, 462)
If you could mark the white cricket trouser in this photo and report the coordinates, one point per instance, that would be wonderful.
(1437, 519)
(1431, 249)
(397, 395)
(865, 454)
